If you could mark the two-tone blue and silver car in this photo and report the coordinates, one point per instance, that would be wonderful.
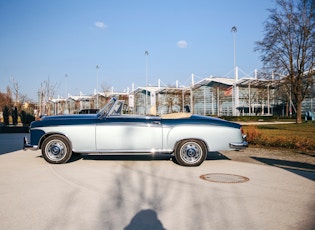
(188, 137)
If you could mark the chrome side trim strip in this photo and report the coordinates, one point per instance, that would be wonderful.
(122, 152)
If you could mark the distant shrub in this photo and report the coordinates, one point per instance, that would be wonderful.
(6, 115)
(252, 133)
(249, 118)
(26, 118)
(15, 116)
(255, 137)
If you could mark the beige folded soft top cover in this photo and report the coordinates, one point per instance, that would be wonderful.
(175, 115)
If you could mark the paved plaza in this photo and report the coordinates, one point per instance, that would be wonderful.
(143, 192)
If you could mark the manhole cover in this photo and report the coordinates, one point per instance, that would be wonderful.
(224, 178)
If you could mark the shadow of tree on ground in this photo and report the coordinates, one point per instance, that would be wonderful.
(11, 142)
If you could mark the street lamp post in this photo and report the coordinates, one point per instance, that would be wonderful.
(235, 90)
(97, 67)
(146, 53)
(66, 96)
(234, 30)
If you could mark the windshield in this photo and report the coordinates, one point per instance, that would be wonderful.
(106, 109)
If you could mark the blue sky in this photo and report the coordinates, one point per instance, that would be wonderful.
(52, 39)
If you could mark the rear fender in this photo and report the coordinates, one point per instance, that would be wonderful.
(180, 133)
(179, 141)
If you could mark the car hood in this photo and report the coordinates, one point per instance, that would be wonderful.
(71, 116)
(77, 119)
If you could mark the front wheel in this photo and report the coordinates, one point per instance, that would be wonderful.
(190, 153)
(56, 149)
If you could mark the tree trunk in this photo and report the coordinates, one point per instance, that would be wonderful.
(299, 112)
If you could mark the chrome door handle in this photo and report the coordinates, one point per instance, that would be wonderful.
(156, 122)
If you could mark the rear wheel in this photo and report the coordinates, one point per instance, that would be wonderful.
(190, 152)
(56, 149)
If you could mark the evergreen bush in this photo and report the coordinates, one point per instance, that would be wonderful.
(26, 118)
(6, 115)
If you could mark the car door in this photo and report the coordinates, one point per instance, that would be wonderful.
(129, 134)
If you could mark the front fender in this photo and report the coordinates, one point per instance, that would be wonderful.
(36, 136)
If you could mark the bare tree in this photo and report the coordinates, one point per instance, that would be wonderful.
(288, 47)
(46, 93)
(16, 90)
(6, 99)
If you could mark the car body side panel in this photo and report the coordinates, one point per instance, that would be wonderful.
(128, 135)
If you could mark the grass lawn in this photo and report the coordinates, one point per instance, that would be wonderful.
(293, 136)
(306, 130)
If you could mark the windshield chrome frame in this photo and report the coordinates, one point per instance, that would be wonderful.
(105, 111)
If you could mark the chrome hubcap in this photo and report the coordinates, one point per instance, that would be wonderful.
(191, 152)
(56, 150)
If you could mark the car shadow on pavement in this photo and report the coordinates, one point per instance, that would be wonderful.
(121, 157)
(216, 156)
(134, 157)
(303, 169)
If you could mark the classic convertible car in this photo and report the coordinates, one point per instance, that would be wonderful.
(188, 137)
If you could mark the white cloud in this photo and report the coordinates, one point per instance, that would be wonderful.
(100, 25)
(182, 44)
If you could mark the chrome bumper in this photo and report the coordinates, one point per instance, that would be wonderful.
(27, 145)
(238, 145)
